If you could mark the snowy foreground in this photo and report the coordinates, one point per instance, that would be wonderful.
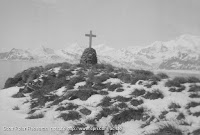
(158, 104)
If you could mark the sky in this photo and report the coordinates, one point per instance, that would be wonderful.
(117, 23)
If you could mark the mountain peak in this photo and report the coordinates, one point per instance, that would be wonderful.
(186, 36)
(184, 50)
(13, 49)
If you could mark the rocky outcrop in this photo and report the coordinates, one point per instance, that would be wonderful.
(89, 57)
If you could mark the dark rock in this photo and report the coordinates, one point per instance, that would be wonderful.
(179, 89)
(71, 115)
(106, 101)
(127, 115)
(180, 116)
(50, 97)
(18, 95)
(28, 89)
(73, 97)
(138, 92)
(85, 111)
(119, 90)
(99, 86)
(34, 104)
(20, 83)
(70, 106)
(114, 86)
(89, 57)
(153, 95)
(122, 99)
(91, 121)
(122, 105)
(103, 93)
(21, 89)
(136, 102)
(32, 111)
(10, 82)
(106, 111)
(81, 94)
(163, 114)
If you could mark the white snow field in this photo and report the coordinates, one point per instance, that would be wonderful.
(134, 108)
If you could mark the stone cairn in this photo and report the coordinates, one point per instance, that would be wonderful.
(89, 56)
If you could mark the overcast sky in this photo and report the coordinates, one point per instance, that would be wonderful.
(117, 23)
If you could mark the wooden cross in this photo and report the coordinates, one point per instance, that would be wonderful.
(90, 40)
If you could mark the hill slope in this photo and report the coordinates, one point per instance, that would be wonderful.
(82, 99)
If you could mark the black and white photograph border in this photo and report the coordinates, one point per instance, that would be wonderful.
(99, 67)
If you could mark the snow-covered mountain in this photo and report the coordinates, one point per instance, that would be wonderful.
(16, 54)
(182, 53)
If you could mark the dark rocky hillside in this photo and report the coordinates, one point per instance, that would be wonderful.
(102, 99)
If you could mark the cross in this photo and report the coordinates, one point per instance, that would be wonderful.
(90, 35)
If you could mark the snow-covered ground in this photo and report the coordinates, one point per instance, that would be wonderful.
(14, 122)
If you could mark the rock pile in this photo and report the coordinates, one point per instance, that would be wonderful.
(89, 57)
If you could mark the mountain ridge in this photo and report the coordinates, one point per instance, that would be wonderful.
(182, 53)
